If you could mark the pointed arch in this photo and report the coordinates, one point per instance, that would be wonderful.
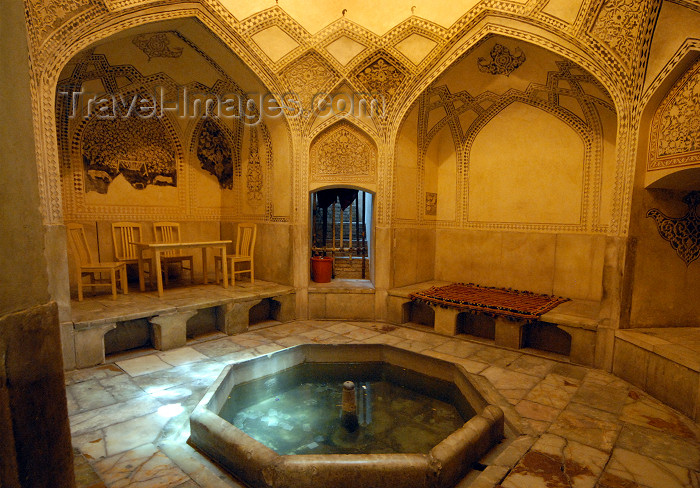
(343, 154)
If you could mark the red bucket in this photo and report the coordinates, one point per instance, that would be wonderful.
(321, 269)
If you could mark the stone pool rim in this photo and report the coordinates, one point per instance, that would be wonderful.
(259, 466)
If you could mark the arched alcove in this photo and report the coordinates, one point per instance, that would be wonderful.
(342, 177)
(342, 154)
(160, 123)
(668, 169)
(341, 229)
(527, 139)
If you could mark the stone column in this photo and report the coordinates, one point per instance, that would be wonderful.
(169, 331)
(35, 443)
(35, 446)
(90, 345)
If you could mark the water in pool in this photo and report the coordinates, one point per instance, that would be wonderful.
(297, 411)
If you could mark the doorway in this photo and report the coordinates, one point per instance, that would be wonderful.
(340, 229)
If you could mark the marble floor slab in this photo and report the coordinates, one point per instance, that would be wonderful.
(578, 427)
(143, 365)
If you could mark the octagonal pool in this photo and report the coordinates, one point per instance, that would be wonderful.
(281, 420)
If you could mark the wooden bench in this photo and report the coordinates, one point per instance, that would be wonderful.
(577, 318)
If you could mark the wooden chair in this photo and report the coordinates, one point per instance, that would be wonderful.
(245, 245)
(170, 232)
(123, 233)
(85, 265)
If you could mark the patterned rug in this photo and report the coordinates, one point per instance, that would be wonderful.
(492, 301)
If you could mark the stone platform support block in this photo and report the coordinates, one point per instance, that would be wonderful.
(90, 345)
(287, 307)
(68, 345)
(583, 344)
(233, 318)
(395, 309)
(509, 333)
(445, 320)
(169, 331)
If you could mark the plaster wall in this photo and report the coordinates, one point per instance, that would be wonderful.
(664, 289)
(664, 283)
(676, 25)
(273, 254)
(26, 281)
(570, 265)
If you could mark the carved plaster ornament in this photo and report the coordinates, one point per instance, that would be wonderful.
(342, 152)
(502, 61)
(683, 233)
(254, 175)
(618, 25)
(382, 76)
(156, 46)
(431, 203)
(675, 129)
(214, 153)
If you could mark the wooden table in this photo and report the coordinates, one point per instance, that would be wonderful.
(160, 247)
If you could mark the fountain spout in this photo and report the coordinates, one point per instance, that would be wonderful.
(348, 418)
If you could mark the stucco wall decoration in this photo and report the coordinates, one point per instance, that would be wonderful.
(675, 130)
(156, 45)
(140, 150)
(682, 233)
(618, 26)
(309, 76)
(382, 74)
(48, 14)
(502, 62)
(214, 152)
(254, 173)
(343, 153)
(431, 203)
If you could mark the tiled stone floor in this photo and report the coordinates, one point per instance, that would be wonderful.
(580, 427)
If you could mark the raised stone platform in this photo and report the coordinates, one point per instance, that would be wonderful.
(347, 299)
(578, 318)
(168, 315)
(665, 362)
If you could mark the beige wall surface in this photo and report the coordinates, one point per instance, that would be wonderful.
(526, 166)
(664, 279)
(569, 265)
(665, 290)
